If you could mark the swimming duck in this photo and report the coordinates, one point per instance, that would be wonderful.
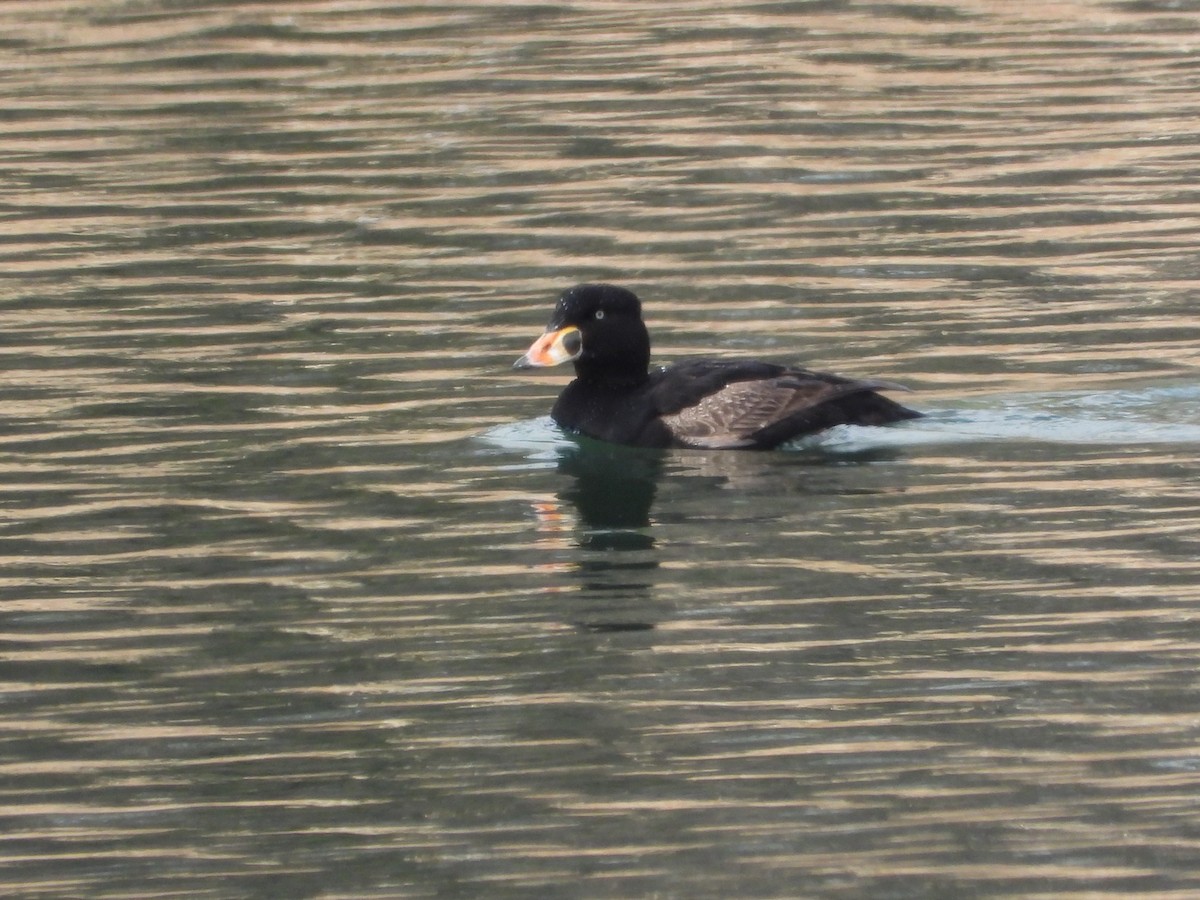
(725, 404)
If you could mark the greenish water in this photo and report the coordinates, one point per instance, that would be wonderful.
(303, 595)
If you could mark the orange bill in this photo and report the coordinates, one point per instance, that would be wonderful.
(552, 348)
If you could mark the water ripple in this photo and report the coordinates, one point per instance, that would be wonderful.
(304, 593)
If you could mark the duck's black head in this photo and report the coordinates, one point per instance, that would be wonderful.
(598, 327)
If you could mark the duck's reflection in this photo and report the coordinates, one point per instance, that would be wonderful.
(602, 516)
(612, 489)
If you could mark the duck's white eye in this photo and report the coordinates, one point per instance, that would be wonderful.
(599, 314)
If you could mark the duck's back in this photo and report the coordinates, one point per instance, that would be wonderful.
(723, 404)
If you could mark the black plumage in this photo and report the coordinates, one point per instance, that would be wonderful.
(708, 403)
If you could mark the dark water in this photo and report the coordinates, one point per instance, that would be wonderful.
(303, 596)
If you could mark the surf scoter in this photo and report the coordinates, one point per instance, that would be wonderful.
(707, 403)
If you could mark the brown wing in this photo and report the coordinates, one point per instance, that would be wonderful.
(728, 418)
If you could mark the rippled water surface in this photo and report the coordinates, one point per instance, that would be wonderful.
(303, 595)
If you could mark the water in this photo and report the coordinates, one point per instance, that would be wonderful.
(303, 595)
